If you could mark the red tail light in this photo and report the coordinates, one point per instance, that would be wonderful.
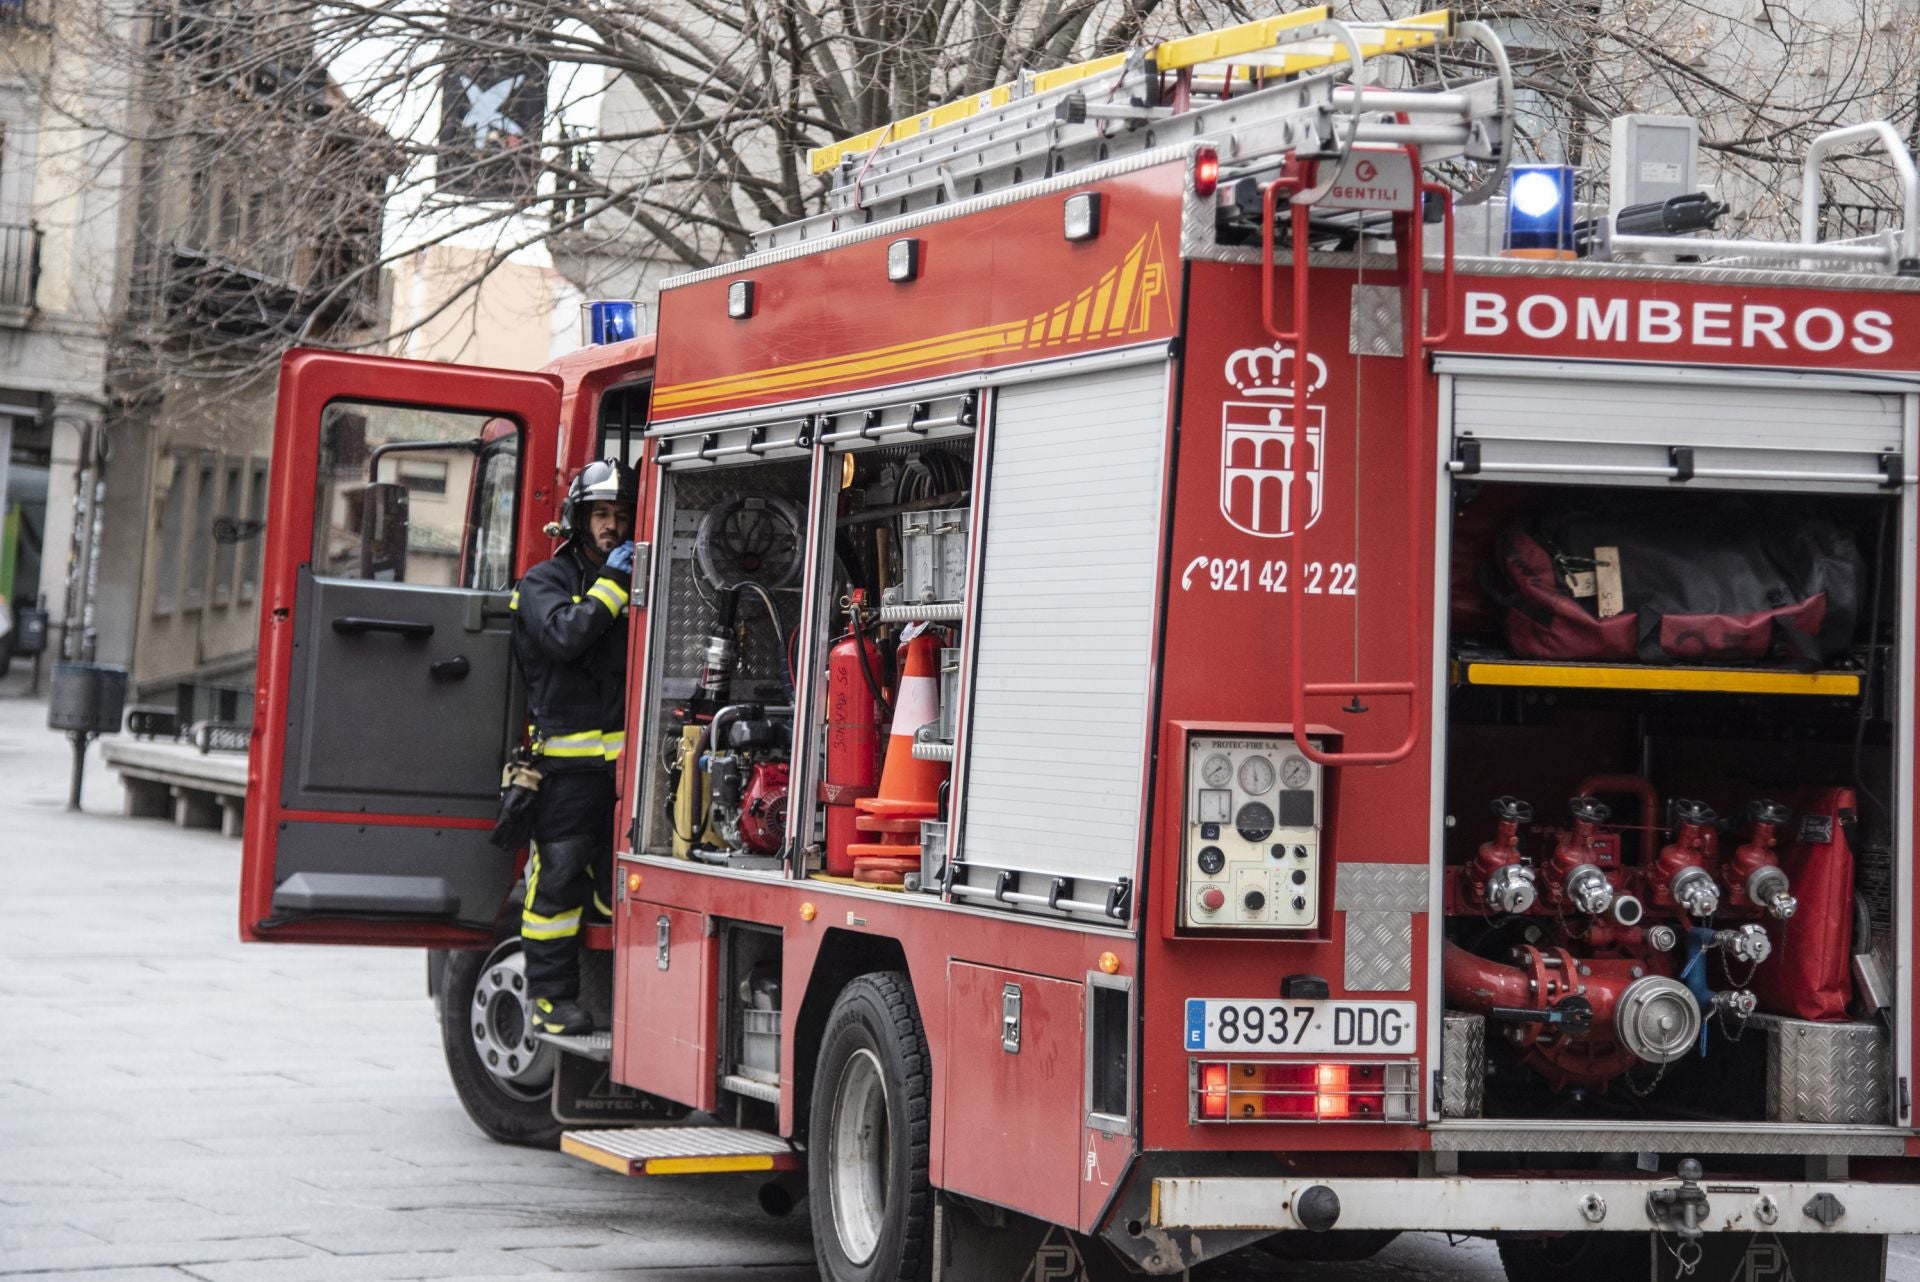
(1213, 1091)
(1292, 1091)
(1331, 1101)
(1206, 171)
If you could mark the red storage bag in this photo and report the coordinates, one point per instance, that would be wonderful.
(1724, 585)
(1810, 975)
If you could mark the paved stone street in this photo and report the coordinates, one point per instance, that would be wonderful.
(174, 1105)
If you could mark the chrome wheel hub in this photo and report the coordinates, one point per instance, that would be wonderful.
(859, 1153)
(501, 1023)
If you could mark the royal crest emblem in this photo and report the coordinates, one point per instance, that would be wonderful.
(1267, 441)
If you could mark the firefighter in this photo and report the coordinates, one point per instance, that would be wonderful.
(570, 641)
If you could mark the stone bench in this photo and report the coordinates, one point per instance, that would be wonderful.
(179, 782)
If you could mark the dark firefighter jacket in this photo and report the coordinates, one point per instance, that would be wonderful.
(570, 640)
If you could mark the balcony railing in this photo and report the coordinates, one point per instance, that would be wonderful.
(19, 269)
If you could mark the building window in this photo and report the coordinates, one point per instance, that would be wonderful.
(256, 531)
(422, 476)
(173, 524)
(224, 552)
(202, 556)
(229, 221)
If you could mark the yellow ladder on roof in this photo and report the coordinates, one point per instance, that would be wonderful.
(1286, 45)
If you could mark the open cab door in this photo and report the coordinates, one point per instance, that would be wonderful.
(406, 500)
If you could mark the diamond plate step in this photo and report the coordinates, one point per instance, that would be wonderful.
(587, 1046)
(681, 1150)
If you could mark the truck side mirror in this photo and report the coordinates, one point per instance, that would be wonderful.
(383, 531)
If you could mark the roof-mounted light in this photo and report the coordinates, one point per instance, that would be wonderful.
(740, 299)
(1206, 171)
(903, 261)
(1082, 216)
(609, 320)
(1540, 211)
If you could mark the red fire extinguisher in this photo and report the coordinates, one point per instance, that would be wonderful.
(853, 741)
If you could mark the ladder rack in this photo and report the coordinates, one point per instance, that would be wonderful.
(1293, 84)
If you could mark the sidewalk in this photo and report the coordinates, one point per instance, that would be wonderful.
(175, 1105)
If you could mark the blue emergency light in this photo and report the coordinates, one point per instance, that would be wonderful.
(610, 321)
(1540, 208)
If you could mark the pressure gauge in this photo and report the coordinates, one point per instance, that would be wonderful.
(1256, 775)
(1217, 771)
(1295, 772)
(1254, 822)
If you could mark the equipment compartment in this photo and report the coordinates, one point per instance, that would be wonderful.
(891, 631)
(727, 609)
(1665, 845)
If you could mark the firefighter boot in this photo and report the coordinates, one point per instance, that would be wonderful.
(562, 1016)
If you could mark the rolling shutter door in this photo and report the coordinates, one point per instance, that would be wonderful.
(1063, 678)
(1570, 422)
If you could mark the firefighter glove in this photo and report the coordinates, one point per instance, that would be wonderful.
(619, 562)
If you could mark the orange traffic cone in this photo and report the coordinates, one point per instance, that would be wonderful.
(910, 787)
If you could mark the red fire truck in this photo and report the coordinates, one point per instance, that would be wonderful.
(1174, 709)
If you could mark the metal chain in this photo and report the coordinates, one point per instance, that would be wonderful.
(1638, 1091)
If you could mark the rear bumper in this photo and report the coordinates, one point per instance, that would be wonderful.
(1486, 1205)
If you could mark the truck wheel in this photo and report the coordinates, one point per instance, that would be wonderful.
(1616, 1257)
(502, 1073)
(867, 1184)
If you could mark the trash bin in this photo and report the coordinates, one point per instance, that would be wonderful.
(87, 698)
(29, 630)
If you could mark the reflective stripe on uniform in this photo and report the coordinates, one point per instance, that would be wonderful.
(584, 743)
(558, 926)
(609, 594)
(513, 602)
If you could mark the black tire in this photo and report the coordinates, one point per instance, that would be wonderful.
(872, 1090)
(1574, 1257)
(509, 1114)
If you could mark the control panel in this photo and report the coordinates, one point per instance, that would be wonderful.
(1252, 854)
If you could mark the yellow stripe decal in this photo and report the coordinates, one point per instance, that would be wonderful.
(895, 359)
(587, 1153)
(1134, 285)
(707, 1165)
(1709, 680)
